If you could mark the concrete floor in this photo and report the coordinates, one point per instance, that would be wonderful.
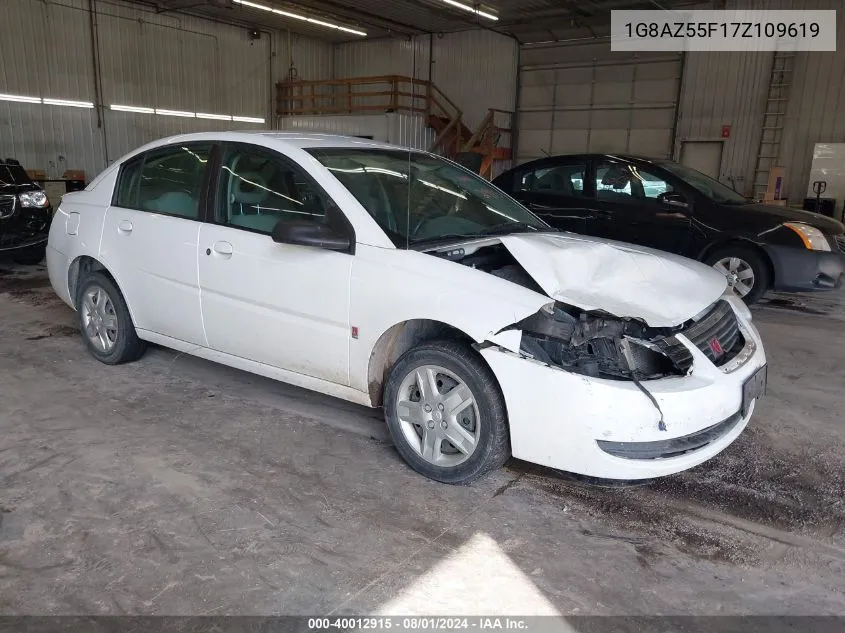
(175, 486)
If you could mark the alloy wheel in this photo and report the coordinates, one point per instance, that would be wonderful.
(99, 319)
(739, 274)
(438, 415)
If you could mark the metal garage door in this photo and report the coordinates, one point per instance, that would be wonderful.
(585, 98)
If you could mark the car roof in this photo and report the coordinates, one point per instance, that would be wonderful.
(282, 140)
(631, 157)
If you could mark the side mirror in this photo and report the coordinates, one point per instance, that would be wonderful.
(673, 199)
(312, 234)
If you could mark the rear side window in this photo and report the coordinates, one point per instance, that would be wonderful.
(167, 181)
(560, 180)
(127, 184)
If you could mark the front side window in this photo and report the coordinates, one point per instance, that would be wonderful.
(416, 197)
(623, 182)
(560, 180)
(167, 181)
(258, 188)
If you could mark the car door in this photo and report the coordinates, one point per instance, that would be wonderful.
(149, 240)
(283, 305)
(639, 204)
(555, 191)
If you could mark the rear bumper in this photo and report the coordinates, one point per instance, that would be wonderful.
(801, 270)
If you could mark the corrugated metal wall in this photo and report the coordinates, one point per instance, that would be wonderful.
(816, 109)
(398, 128)
(731, 89)
(168, 61)
(51, 138)
(475, 69)
(725, 89)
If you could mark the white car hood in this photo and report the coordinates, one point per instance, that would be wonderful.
(662, 289)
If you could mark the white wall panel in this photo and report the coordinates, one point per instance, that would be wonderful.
(401, 129)
(816, 109)
(166, 60)
(475, 69)
(726, 89)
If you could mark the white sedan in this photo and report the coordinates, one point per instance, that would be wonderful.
(398, 279)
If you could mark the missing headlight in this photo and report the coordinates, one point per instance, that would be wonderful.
(595, 344)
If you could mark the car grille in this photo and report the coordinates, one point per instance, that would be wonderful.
(716, 334)
(840, 242)
(7, 205)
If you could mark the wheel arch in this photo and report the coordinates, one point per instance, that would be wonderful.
(744, 243)
(83, 266)
(401, 337)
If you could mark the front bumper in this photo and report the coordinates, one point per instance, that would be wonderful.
(27, 228)
(573, 422)
(802, 270)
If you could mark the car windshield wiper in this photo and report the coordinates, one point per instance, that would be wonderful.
(515, 227)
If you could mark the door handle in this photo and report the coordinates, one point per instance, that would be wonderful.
(223, 249)
(125, 227)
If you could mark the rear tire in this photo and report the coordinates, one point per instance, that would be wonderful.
(736, 262)
(30, 256)
(104, 321)
(446, 413)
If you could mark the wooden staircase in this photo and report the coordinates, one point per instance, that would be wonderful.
(394, 93)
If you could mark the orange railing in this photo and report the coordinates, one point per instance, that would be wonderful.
(395, 93)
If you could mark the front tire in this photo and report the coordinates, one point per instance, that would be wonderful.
(746, 270)
(107, 328)
(446, 414)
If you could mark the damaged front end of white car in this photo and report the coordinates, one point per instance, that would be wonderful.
(641, 366)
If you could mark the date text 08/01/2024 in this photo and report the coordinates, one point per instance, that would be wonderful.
(419, 623)
(722, 29)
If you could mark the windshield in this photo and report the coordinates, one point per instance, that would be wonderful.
(418, 198)
(706, 185)
(13, 175)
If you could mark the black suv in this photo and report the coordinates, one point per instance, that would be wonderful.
(668, 206)
(25, 214)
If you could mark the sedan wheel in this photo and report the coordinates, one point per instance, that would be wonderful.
(739, 274)
(445, 412)
(439, 416)
(107, 328)
(99, 320)
(746, 269)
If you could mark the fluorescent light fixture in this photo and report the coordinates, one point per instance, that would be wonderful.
(471, 9)
(288, 14)
(187, 115)
(216, 117)
(66, 102)
(126, 108)
(254, 5)
(328, 25)
(353, 31)
(20, 98)
(247, 119)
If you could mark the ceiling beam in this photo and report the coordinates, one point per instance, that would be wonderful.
(179, 5)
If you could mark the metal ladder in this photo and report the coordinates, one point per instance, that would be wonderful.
(773, 120)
